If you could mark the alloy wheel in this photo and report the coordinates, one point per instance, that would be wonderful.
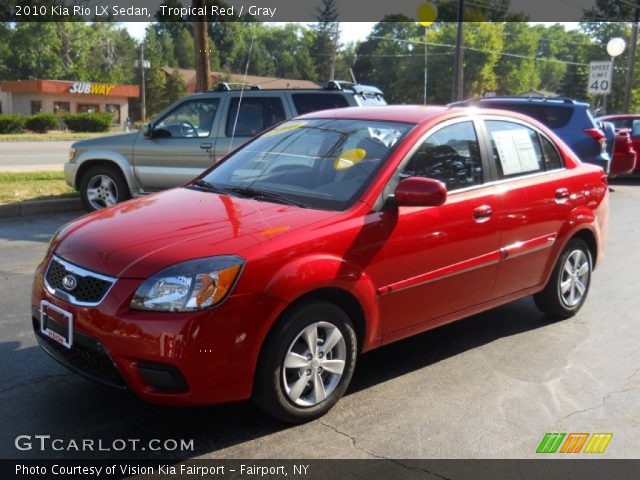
(314, 363)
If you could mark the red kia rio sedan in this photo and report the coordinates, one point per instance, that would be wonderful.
(327, 236)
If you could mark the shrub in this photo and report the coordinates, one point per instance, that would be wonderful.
(89, 122)
(42, 122)
(11, 123)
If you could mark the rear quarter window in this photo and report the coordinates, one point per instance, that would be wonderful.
(310, 102)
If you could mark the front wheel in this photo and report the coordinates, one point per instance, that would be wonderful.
(569, 284)
(306, 363)
(103, 186)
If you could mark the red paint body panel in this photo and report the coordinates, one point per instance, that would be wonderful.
(622, 156)
(409, 268)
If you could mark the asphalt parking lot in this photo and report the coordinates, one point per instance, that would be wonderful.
(489, 386)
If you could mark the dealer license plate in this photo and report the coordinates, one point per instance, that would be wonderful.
(56, 323)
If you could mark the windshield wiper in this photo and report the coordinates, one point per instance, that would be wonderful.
(209, 187)
(256, 194)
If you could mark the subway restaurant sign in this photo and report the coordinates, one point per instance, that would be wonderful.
(87, 88)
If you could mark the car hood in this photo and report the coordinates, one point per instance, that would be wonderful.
(109, 141)
(137, 238)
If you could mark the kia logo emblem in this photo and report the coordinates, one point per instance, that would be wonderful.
(69, 282)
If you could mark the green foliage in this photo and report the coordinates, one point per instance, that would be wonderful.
(325, 39)
(42, 122)
(10, 123)
(174, 88)
(88, 122)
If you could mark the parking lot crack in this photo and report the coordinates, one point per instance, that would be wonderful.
(357, 446)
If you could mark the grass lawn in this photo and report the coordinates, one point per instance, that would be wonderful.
(30, 136)
(15, 187)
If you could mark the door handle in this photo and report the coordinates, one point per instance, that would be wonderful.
(206, 146)
(482, 213)
(562, 193)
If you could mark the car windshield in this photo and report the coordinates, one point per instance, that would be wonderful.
(320, 163)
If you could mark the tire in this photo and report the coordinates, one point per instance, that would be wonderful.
(292, 393)
(103, 186)
(563, 297)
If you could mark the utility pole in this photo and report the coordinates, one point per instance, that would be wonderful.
(632, 58)
(144, 88)
(336, 36)
(201, 41)
(458, 69)
(143, 64)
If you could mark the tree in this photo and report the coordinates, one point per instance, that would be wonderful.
(325, 42)
(183, 47)
(516, 75)
(175, 88)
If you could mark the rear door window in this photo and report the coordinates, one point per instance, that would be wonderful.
(312, 102)
(516, 148)
(256, 114)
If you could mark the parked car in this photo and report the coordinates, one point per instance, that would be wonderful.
(569, 119)
(191, 135)
(327, 236)
(631, 123)
(624, 155)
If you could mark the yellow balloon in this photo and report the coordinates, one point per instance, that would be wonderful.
(349, 158)
(426, 14)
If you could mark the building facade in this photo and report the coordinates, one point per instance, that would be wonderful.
(28, 97)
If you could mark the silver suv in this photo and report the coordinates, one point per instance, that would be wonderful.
(190, 136)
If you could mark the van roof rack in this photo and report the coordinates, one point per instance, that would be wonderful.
(354, 87)
(230, 86)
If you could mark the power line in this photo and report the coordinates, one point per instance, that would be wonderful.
(495, 52)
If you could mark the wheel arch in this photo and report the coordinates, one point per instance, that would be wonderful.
(121, 165)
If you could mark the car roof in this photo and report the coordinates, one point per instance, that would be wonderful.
(414, 113)
(546, 101)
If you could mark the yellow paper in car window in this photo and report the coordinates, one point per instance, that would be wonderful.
(287, 127)
(349, 158)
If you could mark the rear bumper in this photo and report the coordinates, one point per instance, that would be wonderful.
(622, 164)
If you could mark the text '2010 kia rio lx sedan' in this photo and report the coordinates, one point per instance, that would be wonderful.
(324, 237)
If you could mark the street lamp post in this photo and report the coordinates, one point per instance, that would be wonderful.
(615, 47)
(427, 13)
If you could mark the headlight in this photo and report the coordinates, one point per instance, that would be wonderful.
(189, 286)
(72, 153)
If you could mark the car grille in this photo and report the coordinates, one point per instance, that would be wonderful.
(87, 356)
(90, 289)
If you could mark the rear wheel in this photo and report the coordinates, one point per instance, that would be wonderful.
(569, 284)
(103, 186)
(306, 363)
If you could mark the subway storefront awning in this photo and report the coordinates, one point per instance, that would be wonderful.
(62, 87)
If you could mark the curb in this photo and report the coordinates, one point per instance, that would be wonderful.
(36, 207)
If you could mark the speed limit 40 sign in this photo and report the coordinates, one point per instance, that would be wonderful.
(600, 77)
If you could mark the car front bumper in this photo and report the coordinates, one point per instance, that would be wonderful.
(190, 358)
(70, 170)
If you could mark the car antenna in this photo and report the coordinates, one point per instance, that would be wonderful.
(244, 82)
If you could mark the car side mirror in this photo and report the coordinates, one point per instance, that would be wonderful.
(147, 130)
(420, 192)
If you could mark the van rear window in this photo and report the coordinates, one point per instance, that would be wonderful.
(553, 117)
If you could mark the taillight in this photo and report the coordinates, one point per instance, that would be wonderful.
(598, 136)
